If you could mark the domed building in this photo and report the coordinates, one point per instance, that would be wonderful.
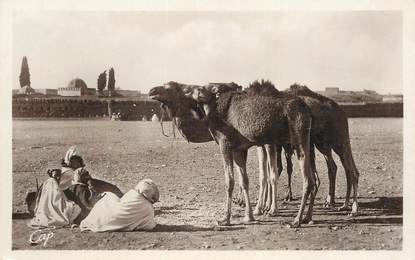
(76, 87)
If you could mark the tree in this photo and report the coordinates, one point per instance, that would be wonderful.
(111, 83)
(24, 77)
(101, 83)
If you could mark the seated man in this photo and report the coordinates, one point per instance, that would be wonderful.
(77, 184)
(52, 208)
(82, 193)
(72, 162)
(134, 211)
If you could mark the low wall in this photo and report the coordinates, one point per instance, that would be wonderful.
(130, 110)
(136, 110)
(374, 110)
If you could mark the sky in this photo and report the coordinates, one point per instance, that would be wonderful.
(350, 50)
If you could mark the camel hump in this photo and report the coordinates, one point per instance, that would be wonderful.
(219, 88)
(263, 87)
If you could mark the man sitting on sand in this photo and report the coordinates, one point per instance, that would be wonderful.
(52, 208)
(77, 185)
(82, 193)
(134, 211)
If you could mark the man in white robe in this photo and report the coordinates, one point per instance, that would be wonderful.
(134, 211)
(52, 208)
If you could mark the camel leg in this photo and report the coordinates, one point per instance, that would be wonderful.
(309, 215)
(227, 157)
(332, 172)
(313, 166)
(268, 191)
(300, 133)
(262, 180)
(266, 199)
(303, 158)
(239, 157)
(352, 177)
(288, 159)
(273, 175)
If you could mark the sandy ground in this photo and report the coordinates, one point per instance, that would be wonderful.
(191, 182)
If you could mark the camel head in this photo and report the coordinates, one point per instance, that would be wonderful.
(172, 96)
(206, 94)
(184, 110)
(170, 93)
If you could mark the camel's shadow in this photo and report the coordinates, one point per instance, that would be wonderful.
(382, 211)
(190, 228)
(387, 205)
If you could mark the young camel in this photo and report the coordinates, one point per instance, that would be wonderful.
(176, 99)
(234, 145)
(266, 153)
(329, 131)
(334, 136)
(186, 114)
(239, 120)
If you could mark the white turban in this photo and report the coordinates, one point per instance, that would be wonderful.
(149, 190)
(71, 152)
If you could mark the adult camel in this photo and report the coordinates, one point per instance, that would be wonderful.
(241, 120)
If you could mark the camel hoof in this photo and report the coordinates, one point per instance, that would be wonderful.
(288, 198)
(272, 213)
(295, 224)
(355, 208)
(307, 221)
(344, 208)
(223, 222)
(248, 220)
(353, 213)
(329, 205)
(267, 208)
(257, 212)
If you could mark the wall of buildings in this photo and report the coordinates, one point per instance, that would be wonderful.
(374, 110)
(332, 91)
(136, 110)
(47, 91)
(40, 107)
(69, 92)
(393, 98)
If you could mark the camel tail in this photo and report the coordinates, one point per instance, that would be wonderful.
(346, 150)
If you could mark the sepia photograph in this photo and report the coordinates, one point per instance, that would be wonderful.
(207, 130)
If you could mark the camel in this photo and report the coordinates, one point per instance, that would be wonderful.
(176, 99)
(241, 121)
(333, 136)
(329, 131)
(265, 152)
(193, 131)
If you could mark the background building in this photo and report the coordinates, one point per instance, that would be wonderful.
(47, 91)
(393, 98)
(332, 91)
(76, 87)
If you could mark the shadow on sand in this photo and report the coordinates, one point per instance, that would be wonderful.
(380, 211)
(387, 205)
(21, 216)
(190, 228)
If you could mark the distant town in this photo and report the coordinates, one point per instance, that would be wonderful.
(78, 88)
(77, 99)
